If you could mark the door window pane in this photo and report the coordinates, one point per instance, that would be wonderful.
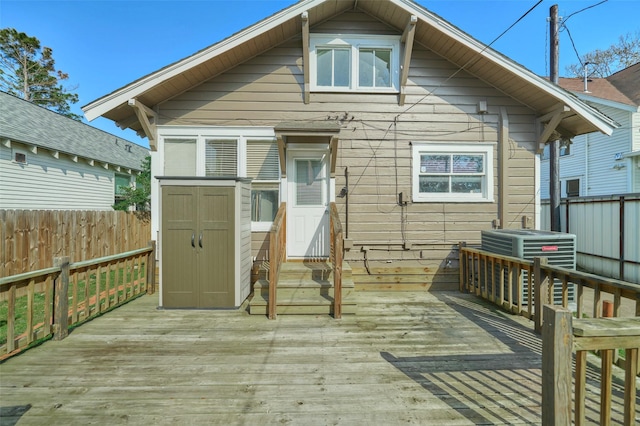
(309, 182)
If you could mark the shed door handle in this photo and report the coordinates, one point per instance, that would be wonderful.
(200, 240)
(193, 240)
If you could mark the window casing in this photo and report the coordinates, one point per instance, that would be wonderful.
(354, 63)
(452, 172)
(121, 181)
(231, 156)
(572, 187)
(19, 156)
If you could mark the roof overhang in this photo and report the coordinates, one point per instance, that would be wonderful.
(308, 132)
(431, 31)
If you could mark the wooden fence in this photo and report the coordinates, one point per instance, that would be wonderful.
(606, 230)
(46, 302)
(31, 239)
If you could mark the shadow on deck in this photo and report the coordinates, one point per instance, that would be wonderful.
(405, 358)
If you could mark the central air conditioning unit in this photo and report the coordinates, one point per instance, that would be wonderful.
(559, 248)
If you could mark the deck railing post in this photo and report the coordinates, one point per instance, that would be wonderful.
(540, 290)
(151, 268)
(462, 265)
(61, 299)
(557, 348)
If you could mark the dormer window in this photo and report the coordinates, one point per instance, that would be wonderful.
(354, 63)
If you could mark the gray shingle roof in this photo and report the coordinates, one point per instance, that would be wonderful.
(22, 121)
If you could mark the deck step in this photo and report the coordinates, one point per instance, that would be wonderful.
(300, 306)
(304, 288)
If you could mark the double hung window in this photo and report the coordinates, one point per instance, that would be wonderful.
(452, 172)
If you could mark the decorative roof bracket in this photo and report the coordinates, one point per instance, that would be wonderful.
(143, 113)
(305, 54)
(407, 38)
(552, 120)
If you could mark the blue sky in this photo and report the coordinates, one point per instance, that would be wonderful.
(104, 45)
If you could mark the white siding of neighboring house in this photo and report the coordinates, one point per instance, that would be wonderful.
(53, 184)
(592, 160)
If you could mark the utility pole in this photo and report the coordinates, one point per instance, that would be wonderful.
(554, 145)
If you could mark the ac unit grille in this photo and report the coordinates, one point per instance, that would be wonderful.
(558, 248)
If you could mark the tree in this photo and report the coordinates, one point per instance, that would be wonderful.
(603, 63)
(28, 71)
(140, 195)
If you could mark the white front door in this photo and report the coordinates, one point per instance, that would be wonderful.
(307, 204)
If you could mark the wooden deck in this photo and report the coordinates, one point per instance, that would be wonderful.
(406, 358)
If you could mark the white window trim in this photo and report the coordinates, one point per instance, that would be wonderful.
(240, 134)
(355, 42)
(15, 151)
(452, 148)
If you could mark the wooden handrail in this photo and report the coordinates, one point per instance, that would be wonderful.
(63, 303)
(337, 257)
(562, 335)
(277, 254)
(480, 269)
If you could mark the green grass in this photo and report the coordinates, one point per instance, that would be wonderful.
(84, 287)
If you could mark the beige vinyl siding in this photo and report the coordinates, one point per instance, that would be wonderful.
(441, 106)
(53, 184)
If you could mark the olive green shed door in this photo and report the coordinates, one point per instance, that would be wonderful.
(197, 247)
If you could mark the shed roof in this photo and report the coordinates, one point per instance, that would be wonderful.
(28, 123)
(432, 31)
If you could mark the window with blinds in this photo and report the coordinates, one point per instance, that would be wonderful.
(309, 183)
(263, 161)
(221, 157)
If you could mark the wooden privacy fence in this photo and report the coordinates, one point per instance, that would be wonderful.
(31, 239)
(503, 279)
(67, 294)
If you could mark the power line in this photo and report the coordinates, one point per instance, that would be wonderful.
(470, 61)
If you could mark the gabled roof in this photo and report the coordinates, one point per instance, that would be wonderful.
(596, 87)
(431, 31)
(628, 82)
(27, 123)
(622, 87)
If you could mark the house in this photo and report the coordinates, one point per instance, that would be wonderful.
(51, 162)
(421, 135)
(595, 164)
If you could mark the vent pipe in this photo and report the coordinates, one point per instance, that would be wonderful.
(586, 88)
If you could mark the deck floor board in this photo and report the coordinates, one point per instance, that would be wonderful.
(439, 358)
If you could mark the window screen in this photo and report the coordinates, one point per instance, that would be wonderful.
(180, 157)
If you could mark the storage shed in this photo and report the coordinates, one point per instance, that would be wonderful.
(205, 242)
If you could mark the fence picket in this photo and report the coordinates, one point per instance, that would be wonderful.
(32, 239)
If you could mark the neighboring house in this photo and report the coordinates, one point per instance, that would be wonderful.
(420, 134)
(596, 164)
(51, 162)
